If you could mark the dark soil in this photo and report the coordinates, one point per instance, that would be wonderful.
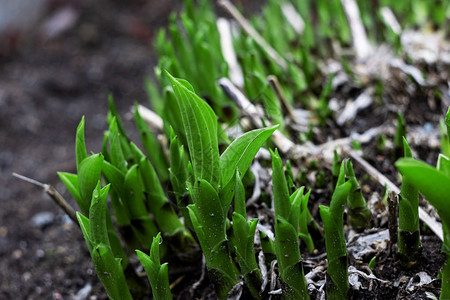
(45, 89)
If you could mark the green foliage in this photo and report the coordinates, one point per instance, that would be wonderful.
(212, 187)
(240, 153)
(208, 216)
(444, 126)
(408, 218)
(359, 215)
(244, 234)
(157, 274)
(372, 262)
(200, 124)
(287, 247)
(333, 223)
(204, 183)
(400, 132)
(434, 184)
(305, 218)
(109, 268)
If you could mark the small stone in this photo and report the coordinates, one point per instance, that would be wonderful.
(17, 254)
(26, 276)
(42, 219)
(40, 253)
(3, 231)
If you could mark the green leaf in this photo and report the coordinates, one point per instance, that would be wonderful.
(135, 189)
(157, 274)
(200, 124)
(240, 153)
(211, 214)
(97, 215)
(71, 183)
(116, 177)
(443, 164)
(151, 146)
(289, 260)
(239, 197)
(80, 144)
(280, 189)
(159, 205)
(85, 229)
(88, 176)
(433, 184)
(117, 155)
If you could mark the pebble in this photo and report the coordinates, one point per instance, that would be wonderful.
(42, 219)
(83, 293)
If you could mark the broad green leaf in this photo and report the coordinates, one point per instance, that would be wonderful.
(71, 183)
(80, 144)
(88, 176)
(200, 124)
(286, 242)
(433, 184)
(241, 152)
(211, 214)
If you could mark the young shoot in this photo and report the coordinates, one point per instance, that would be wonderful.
(287, 246)
(213, 182)
(408, 219)
(157, 274)
(359, 215)
(333, 222)
(434, 185)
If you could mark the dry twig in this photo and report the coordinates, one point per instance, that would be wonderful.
(232, 10)
(54, 194)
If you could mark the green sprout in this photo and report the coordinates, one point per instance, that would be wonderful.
(434, 185)
(286, 231)
(157, 274)
(372, 262)
(400, 132)
(306, 220)
(212, 185)
(333, 222)
(445, 129)
(359, 215)
(244, 234)
(408, 220)
(81, 185)
(108, 267)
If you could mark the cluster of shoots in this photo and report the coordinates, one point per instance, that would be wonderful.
(434, 185)
(172, 199)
